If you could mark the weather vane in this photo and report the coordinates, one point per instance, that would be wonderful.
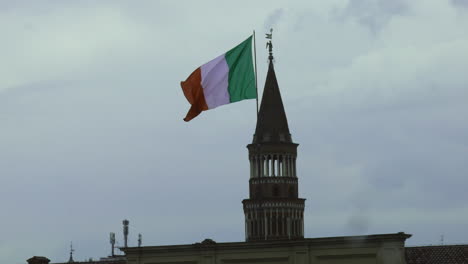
(269, 45)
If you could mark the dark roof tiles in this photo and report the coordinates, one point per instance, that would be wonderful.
(450, 254)
(272, 124)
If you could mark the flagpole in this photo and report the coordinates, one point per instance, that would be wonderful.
(255, 59)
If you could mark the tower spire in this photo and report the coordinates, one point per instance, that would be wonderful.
(272, 124)
(273, 210)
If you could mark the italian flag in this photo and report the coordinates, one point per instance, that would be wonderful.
(226, 79)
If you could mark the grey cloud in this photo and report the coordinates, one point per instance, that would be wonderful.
(373, 14)
(460, 3)
(273, 19)
(358, 223)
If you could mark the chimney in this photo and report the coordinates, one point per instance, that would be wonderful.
(125, 231)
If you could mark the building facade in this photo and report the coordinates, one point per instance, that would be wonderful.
(373, 249)
(274, 213)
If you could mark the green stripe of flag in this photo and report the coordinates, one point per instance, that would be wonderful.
(241, 72)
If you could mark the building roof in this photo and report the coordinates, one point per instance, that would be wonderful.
(449, 254)
(272, 124)
(117, 259)
(352, 241)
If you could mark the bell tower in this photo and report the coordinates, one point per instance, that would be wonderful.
(273, 210)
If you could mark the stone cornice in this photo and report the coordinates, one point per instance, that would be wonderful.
(348, 241)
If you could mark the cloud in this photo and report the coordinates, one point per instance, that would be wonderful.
(273, 18)
(39, 49)
(374, 14)
(460, 3)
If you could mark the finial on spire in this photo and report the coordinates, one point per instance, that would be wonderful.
(71, 253)
(269, 45)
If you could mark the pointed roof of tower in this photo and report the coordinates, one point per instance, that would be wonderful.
(272, 123)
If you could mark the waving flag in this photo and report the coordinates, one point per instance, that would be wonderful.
(226, 79)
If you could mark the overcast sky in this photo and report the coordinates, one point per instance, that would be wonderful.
(91, 128)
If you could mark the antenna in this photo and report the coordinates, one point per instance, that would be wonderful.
(139, 240)
(442, 239)
(125, 231)
(112, 241)
(71, 253)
